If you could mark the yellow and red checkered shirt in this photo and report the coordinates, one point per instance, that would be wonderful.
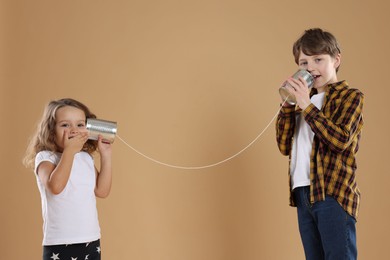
(337, 129)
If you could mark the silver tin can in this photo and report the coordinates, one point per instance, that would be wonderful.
(96, 127)
(284, 92)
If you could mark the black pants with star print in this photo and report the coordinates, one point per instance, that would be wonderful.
(83, 251)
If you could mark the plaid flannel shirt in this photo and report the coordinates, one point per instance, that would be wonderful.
(337, 129)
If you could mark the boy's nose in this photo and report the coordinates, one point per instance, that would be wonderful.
(310, 67)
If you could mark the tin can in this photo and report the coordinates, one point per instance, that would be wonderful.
(287, 95)
(96, 127)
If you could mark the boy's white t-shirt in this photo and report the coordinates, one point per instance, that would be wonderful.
(70, 217)
(302, 146)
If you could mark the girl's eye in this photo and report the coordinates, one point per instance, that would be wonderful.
(64, 125)
(81, 125)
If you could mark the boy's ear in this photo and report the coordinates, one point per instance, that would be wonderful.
(337, 60)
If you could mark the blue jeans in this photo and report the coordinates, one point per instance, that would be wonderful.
(327, 230)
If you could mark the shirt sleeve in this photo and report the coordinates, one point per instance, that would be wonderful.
(339, 132)
(43, 156)
(285, 125)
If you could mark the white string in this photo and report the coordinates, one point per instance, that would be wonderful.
(209, 165)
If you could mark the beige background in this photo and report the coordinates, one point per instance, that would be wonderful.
(189, 83)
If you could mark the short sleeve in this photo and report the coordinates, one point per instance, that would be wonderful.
(45, 156)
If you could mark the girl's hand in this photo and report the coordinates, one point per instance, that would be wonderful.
(298, 88)
(74, 142)
(104, 147)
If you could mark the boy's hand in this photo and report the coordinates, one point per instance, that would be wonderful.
(298, 88)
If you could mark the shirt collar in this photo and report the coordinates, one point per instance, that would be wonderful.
(337, 86)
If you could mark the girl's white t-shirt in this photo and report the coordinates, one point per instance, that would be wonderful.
(302, 146)
(70, 217)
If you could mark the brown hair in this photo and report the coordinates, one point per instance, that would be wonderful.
(314, 42)
(44, 137)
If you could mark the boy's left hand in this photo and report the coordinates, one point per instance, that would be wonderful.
(300, 90)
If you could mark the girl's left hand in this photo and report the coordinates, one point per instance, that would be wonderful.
(104, 146)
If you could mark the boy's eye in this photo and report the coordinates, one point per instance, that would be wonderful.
(81, 125)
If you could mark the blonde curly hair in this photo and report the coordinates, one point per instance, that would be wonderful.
(44, 137)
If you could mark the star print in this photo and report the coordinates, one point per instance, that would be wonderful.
(55, 256)
(74, 258)
(87, 244)
(86, 257)
(98, 249)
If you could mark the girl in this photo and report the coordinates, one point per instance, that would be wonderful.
(61, 156)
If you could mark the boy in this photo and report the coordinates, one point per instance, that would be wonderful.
(321, 135)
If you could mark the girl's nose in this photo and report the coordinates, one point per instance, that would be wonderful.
(73, 130)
